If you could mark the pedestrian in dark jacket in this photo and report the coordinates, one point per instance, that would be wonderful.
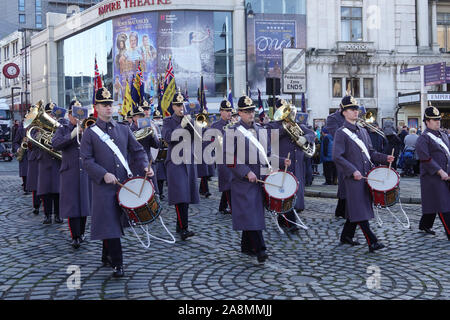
(326, 157)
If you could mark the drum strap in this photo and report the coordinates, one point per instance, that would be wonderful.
(359, 142)
(439, 142)
(107, 139)
(256, 143)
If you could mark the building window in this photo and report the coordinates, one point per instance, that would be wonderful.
(15, 46)
(21, 5)
(351, 24)
(443, 31)
(21, 18)
(38, 21)
(352, 85)
(337, 87)
(6, 52)
(368, 88)
(38, 5)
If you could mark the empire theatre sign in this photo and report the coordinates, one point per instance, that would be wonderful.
(125, 4)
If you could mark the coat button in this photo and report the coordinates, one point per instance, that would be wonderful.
(118, 166)
(109, 128)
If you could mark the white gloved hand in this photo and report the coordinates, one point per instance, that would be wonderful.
(185, 120)
(302, 140)
(73, 134)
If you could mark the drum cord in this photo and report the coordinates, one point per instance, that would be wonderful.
(300, 224)
(406, 225)
(149, 235)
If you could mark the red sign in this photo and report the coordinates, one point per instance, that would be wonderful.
(11, 70)
(117, 5)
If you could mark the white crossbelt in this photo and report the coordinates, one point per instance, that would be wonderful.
(359, 142)
(107, 139)
(439, 142)
(256, 143)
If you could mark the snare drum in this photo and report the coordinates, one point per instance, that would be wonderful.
(280, 199)
(386, 190)
(139, 210)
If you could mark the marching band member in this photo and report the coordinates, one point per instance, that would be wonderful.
(204, 171)
(432, 147)
(334, 122)
(246, 193)
(75, 186)
(32, 176)
(224, 174)
(353, 153)
(104, 149)
(147, 142)
(23, 163)
(181, 178)
(296, 155)
(161, 174)
(48, 180)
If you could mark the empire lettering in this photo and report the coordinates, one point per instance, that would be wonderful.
(117, 5)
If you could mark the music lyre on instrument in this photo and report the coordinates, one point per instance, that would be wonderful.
(145, 177)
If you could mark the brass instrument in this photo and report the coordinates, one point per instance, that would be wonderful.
(21, 151)
(45, 127)
(202, 120)
(143, 133)
(286, 113)
(230, 124)
(365, 124)
(88, 122)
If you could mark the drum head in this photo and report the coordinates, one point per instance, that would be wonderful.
(388, 179)
(289, 188)
(130, 200)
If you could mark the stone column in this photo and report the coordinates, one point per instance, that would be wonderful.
(422, 25)
(240, 51)
(434, 43)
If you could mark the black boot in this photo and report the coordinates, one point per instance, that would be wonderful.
(76, 243)
(36, 211)
(118, 272)
(48, 219)
(58, 219)
(348, 240)
(185, 233)
(376, 246)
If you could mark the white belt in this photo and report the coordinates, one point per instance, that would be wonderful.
(439, 142)
(359, 142)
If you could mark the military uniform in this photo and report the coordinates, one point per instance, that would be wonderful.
(48, 181)
(23, 164)
(224, 174)
(334, 122)
(32, 176)
(181, 178)
(435, 192)
(75, 186)
(107, 219)
(349, 158)
(160, 165)
(246, 197)
(296, 155)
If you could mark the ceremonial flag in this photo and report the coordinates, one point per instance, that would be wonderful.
(201, 97)
(169, 90)
(127, 101)
(137, 89)
(97, 84)
(160, 93)
(303, 103)
(260, 106)
(230, 98)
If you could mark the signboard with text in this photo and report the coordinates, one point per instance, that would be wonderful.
(435, 74)
(294, 76)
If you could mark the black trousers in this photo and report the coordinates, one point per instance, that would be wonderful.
(340, 208)
(51, 204)
(253, 241)
(182, 210)
(36, 200)
(204, 187)
(77, 226)
(113, 249)
(225, 200)
(24, 183)
(160, 186)
(329, 171)
(290, 216)
(350, 229)
(427, 221)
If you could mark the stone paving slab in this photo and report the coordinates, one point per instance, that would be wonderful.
(34, 258)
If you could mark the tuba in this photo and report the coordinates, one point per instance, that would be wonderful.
(286, 113)
(44, 125)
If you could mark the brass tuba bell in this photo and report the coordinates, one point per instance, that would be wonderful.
(42, 126)
(286, 113)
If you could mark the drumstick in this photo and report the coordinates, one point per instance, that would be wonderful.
(270, 184)
(373, 179)
(145, 177)
(285, 170)
(390, 164)
(127, 188)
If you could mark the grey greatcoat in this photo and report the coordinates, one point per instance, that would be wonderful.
(349, 158)
(23, 165)
(48, 177)
(33, 168)
(181, 178)
(75, 186)
(297, 167)
(203, 169)
(151, 141)
(334, 122)
(435, 193)
(246, 197)
(98, 159)
(161, 173)
(224, 174)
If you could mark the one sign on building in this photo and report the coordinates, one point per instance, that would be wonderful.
(435, 74)
(294, 74)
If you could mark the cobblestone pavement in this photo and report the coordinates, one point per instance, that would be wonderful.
(34, 258)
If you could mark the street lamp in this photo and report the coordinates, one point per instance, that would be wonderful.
(249, 14)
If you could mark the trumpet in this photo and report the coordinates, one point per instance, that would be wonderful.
(364, 124)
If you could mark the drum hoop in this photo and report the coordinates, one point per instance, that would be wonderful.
(149, 200)
(397, 185)
(296, 189)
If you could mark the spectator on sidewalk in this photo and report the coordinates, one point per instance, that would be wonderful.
(393, 142)
(326, 157)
